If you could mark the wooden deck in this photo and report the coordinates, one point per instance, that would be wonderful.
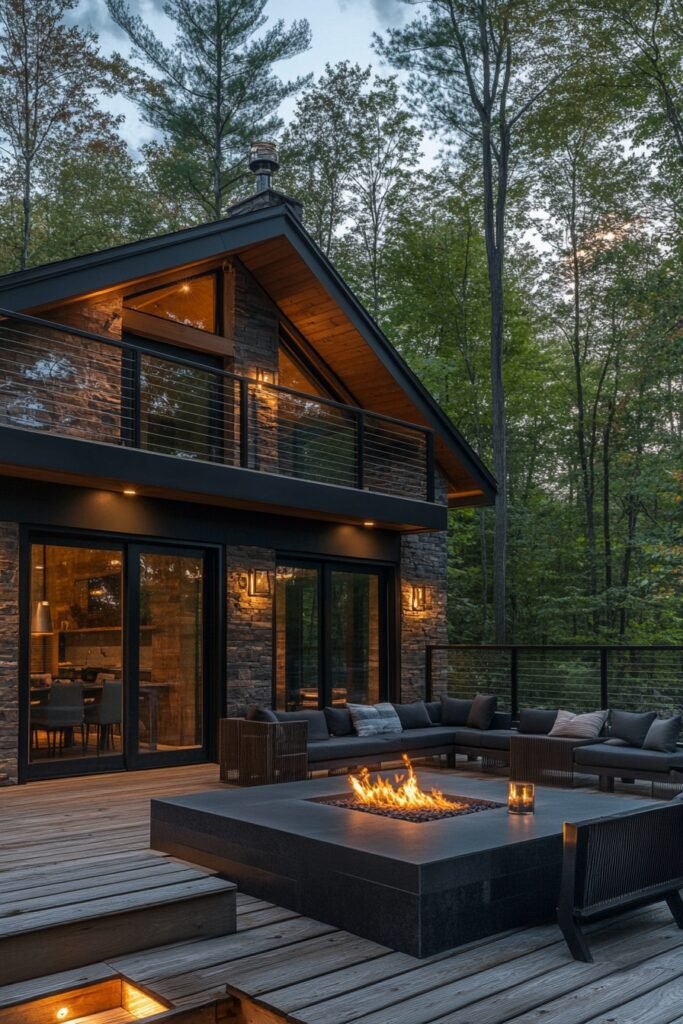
(280, 965)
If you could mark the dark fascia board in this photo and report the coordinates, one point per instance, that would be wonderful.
(53, 282)
(110, 467)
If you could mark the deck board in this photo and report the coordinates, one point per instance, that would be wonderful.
(69, 843)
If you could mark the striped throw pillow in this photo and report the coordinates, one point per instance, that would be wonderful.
(374, 719)
(579, 727)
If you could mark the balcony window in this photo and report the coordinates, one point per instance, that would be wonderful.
(192, 302)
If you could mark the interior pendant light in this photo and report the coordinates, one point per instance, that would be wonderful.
(41, 623)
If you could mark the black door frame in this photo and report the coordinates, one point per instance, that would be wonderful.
(389, 619)
(213, 651)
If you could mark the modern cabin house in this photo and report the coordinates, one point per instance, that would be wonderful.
(219, 484)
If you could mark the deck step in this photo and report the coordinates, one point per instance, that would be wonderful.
(72, 916)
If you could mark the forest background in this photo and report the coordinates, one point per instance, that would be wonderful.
(531, 272)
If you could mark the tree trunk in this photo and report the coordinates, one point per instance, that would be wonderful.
(26, 217)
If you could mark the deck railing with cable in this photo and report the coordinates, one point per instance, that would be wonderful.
(77, 384)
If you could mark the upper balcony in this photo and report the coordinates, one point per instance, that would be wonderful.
(83, 407)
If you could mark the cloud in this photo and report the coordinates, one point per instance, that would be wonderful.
(387, 12)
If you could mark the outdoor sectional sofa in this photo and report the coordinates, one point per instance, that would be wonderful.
(328, 741)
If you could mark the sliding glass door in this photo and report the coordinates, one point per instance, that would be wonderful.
(331, 635)
(120, 656)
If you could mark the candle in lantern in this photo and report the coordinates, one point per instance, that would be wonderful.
(521, 798)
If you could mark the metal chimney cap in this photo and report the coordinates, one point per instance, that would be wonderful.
(263, 158)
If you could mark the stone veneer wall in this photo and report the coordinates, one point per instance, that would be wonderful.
(424, 562)
(62, 382)
(249, 630)
(9, 648)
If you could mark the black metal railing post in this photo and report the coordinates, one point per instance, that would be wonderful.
(429, 668)
(604, 684)
(136, 400)
(360, 450)
(514, 684)
(429, 454)
(244, 422)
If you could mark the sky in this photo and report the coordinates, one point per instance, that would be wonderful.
(341, 30)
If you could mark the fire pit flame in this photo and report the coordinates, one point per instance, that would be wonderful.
(405, 796)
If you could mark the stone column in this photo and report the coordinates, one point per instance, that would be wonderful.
(9, 649)
(424, 563)
(249, 629)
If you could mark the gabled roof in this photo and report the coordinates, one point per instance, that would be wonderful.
(278, 251)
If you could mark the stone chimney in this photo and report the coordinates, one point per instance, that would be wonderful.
(264, 162)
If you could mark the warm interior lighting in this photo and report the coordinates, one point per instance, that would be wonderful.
(368, 522)
(129, 492)
(421, 598)
(521, 797)
(41, 624)
(264, 376)
(259, 583)
(62, 1013)
(404, 795)
(185, 288)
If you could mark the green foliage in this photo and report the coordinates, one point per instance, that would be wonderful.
(213, 91)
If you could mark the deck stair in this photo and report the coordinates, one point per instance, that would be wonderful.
(64, 916)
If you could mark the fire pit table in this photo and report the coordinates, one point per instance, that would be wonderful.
(417, 886)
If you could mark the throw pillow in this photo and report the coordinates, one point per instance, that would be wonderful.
(374, 719)
(482, 712)
(626, 725)
(339, 721)
(434, 711)
(536, 721)
(255, 713)
(413, 716)
(454, 711)
(616, 743)
(317, 723)
(663, 735)
(579, 727)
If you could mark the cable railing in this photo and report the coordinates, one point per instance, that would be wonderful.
(76, 384)
(578, 677)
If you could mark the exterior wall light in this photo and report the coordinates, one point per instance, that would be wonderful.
(264, 376)
(421, 598)
(259, 583)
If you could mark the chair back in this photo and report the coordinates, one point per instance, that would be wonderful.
(109, 707)
(66, 695)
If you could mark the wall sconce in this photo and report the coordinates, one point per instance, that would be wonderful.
(421, 598)
(264, 376)
(258, 583)
(521, 798)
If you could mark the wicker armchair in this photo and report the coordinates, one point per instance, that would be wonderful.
(262, 753)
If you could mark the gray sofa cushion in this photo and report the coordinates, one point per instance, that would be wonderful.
(626, 725)
(601, 755)
(454, 711)
(338, 747)
(434, 710)
(482, 711)
(413, 716)
(255, 713)
(536, 721)
(496, 739)
(466, 737)
(317, 723)
(339, 721)
(663, 734)
(501, 720)
(417, 739)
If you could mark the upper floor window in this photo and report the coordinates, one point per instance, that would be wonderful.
(192, 302)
